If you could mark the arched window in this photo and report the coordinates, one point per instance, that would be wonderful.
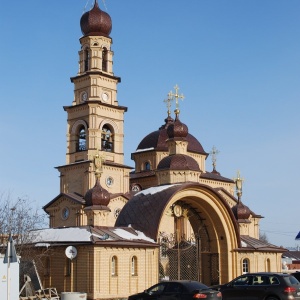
(147, 166)
(114, 266)
(268, 265)
(134, 266)
(107, 139)
(81, 139)
(86, 59)
(104, 60)
(246, 265)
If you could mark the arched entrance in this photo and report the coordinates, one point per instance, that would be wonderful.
(194, 236)
(184, 253)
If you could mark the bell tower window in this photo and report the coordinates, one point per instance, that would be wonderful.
(107, 139)
(86, 59)
(81, 141)
(147, 166)
(104, 60)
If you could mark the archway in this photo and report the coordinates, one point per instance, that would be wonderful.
(195, 234)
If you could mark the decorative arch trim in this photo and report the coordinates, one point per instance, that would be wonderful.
(77, 124)
(111, 123)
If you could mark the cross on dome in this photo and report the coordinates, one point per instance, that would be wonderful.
(176, 96)
(168, 102)
(214, 152)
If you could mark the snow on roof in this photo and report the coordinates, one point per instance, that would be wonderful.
(43, 237)
(129, 236)
(42, 245)
(244, 244)
(156, 189)
(69, 234)
(142, 150)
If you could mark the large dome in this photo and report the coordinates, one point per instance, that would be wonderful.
(156, 140)
(96, 22)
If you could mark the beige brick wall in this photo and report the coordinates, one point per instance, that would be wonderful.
(91, 271)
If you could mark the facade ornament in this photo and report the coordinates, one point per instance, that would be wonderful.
(98, 163)
(239, 185)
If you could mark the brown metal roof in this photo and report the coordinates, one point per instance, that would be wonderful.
(294, 255)
(215, 176)
(178, 162)
(250, 243)
(142, 174)
(72, 196)
(144, 211)
(157, 141)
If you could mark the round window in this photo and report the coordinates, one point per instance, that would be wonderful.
(65, 213)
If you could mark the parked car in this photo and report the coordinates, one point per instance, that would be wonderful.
(181, 290)
(262, 286)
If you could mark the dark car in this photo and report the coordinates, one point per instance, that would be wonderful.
(178, 290)
(262, 286)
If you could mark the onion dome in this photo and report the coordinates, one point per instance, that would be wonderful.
(178, 162)
(97, 196)
(177, 129)
(96, 22)
(241, 211)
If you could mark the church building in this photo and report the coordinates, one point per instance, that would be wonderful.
(165, 218)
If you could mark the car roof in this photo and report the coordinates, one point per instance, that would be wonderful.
(268, 273)
(189, 284)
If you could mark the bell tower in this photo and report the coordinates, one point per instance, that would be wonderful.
(95, 121)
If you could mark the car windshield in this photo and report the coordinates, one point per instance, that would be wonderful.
(157, 289)
(291, 280)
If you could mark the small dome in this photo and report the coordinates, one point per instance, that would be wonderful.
(97, 196)
(241, 211)
(96, 22)
(177, 129)
(178, 162)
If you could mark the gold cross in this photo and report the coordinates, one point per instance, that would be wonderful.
(214, 152)
(176, 96)
(168, 101)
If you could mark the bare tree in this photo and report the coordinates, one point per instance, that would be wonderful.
(263, 237)
(19, 217)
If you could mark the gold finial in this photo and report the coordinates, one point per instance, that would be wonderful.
(239, 185)
(98, 163)
(214, 152)
(168, 101)
(176, 96)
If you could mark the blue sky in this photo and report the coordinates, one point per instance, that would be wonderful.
(237, 63)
